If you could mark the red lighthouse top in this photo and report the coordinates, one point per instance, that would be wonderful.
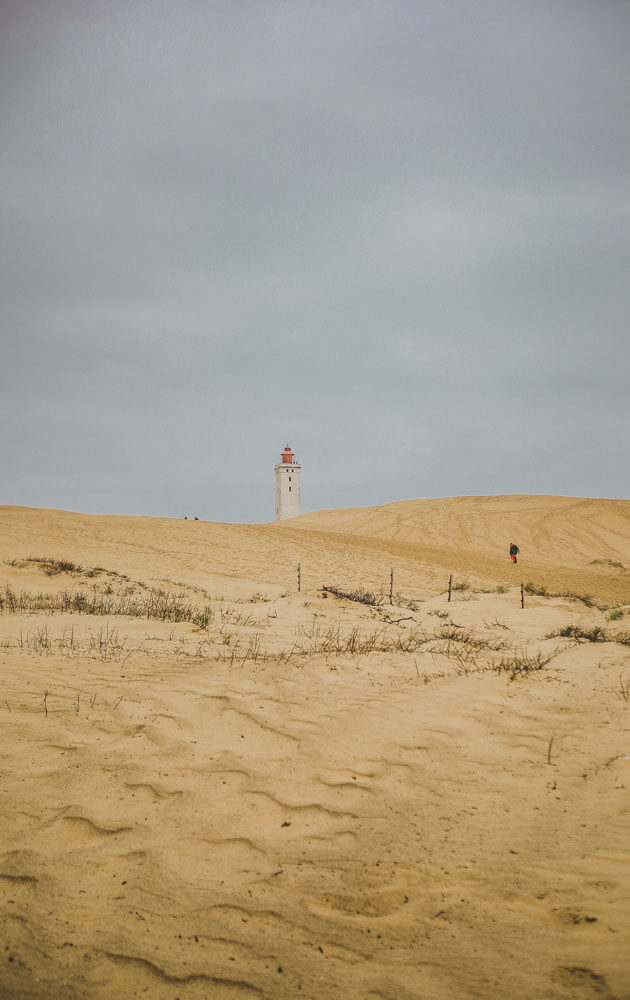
(287, 456)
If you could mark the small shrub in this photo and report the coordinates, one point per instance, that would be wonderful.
(202, 619)
(52, 567)
(522, 662)
(502, 589)
(584, 598)
(615, 615)
(360, 595)
(538, 589)
(595, 634)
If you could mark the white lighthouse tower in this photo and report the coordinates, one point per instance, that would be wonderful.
(288, 501)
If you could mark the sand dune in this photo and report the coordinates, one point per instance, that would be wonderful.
(216, 786)
(566, 530)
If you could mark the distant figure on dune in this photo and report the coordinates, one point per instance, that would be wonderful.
(513, 551)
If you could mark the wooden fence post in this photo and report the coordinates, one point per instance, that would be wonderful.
(299, 576)
(522, 595)
(450, 585)
(391, 586)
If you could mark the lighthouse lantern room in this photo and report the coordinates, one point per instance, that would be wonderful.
(288, 500)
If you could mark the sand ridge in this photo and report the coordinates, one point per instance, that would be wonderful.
(307, 795)
(562, 529)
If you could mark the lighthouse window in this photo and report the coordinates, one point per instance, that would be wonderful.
(289, 478)
(289, 489)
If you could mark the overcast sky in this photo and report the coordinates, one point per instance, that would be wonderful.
(394, 235)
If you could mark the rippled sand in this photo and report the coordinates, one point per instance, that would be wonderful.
(304, 795)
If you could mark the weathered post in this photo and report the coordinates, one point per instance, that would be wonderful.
(299, 576)
(391, 586)
(522, 595)
(450, 585)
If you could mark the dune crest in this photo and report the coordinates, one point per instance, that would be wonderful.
(565, 530)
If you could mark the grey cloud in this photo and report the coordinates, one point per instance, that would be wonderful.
(393, 234)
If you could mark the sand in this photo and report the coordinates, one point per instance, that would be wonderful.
(303, 795)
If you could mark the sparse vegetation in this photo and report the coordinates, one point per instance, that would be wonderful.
(520, 662)
(53, 567)
(360, 595)
(584, 598)
(202, 619)
(106, 644)
(540, 590)
(594, 634)
(238, 637)
(400, 601)
(233, 617)
(451, 641)
(157, 605)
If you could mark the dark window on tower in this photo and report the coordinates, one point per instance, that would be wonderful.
(289, 489)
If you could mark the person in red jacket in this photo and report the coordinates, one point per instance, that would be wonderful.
(513, 551)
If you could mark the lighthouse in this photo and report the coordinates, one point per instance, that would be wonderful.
(288, 502)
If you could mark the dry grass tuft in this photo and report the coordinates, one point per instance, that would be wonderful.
(155, 604)
(595, 634)
(360, 595)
